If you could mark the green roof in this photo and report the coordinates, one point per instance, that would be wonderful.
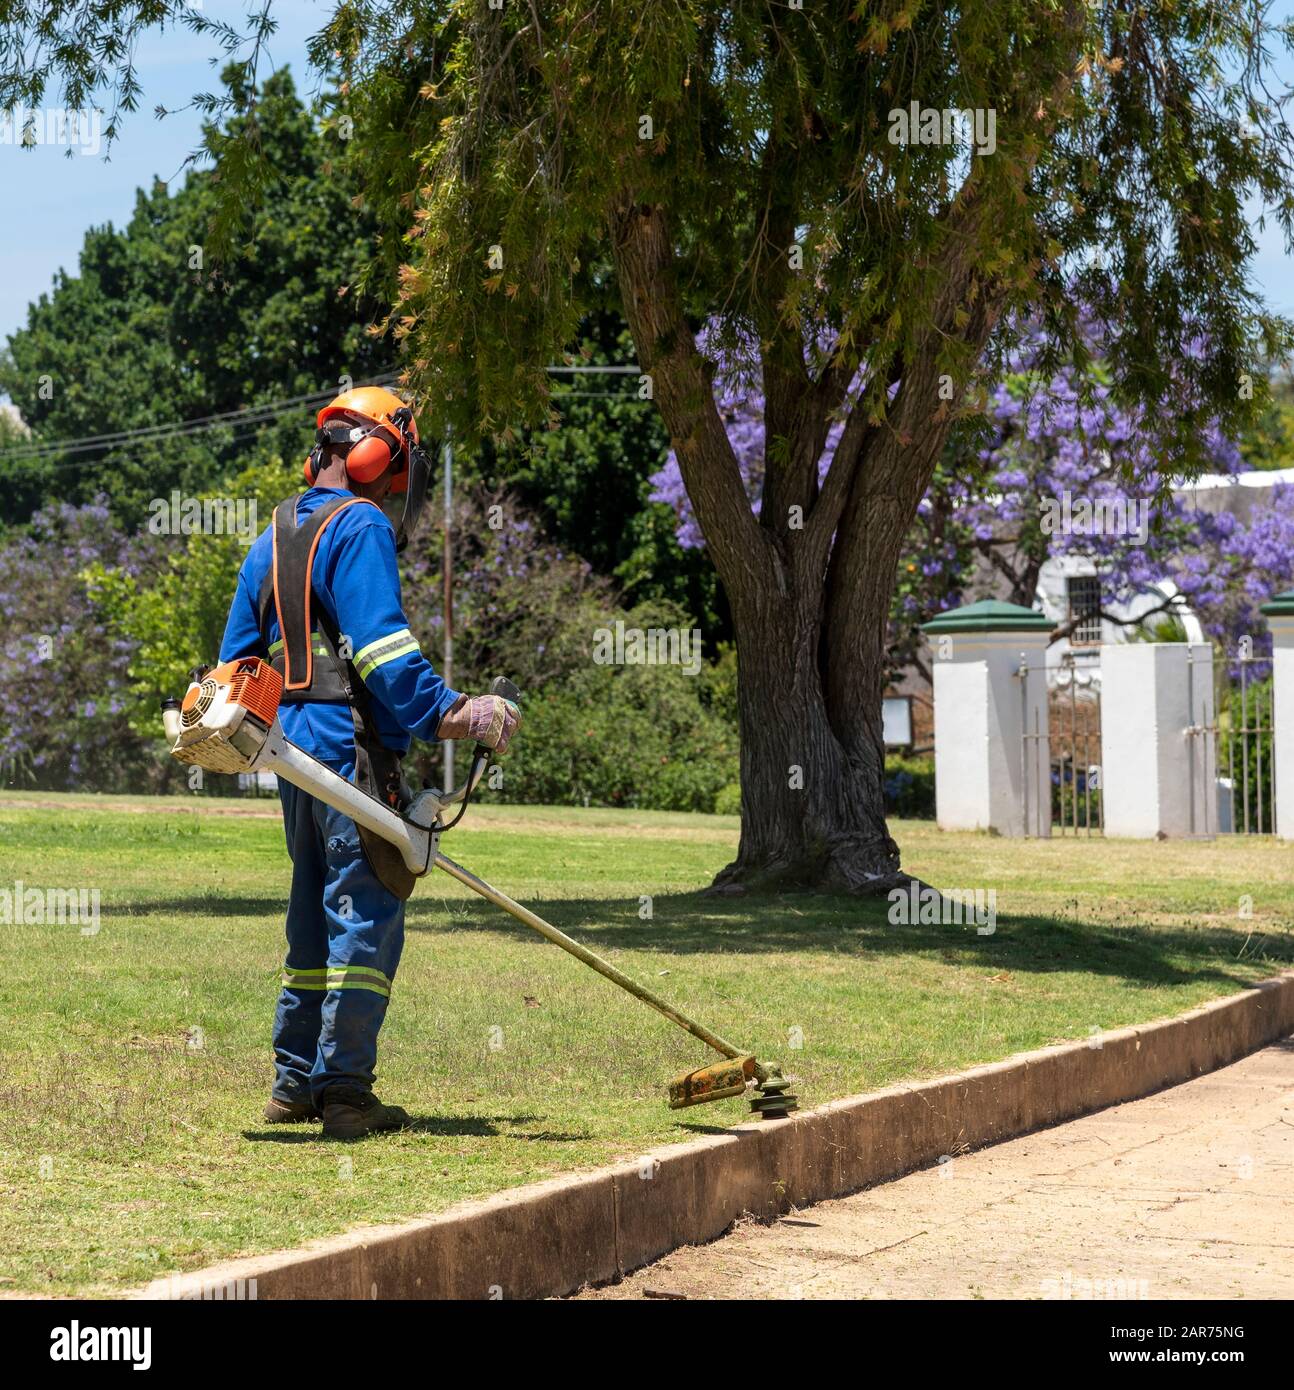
(990, 616)
(1281, 606)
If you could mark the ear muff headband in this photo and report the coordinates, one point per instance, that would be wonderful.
(368, 458)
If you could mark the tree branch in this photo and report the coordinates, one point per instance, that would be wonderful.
(682, 387)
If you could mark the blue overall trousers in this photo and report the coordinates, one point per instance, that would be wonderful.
(345, 935)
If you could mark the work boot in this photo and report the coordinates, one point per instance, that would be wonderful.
(290, 1112)
(350, 1112)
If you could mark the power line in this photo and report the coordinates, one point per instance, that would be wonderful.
(256, 414)
(145, 430)
(631, 370)
(260, 414)
(622, 396)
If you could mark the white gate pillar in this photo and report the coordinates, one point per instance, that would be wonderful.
(1279, 613)
(988, 775)
(1158, 746)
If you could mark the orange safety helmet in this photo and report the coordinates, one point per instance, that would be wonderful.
(382, 431)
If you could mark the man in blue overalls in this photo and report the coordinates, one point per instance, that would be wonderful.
(319, 596)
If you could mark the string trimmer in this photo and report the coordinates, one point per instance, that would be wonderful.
(228, 722)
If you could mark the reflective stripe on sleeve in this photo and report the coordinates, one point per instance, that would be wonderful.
(388, 648)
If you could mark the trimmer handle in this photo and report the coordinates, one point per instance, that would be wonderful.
(503, 687)
(480, 756)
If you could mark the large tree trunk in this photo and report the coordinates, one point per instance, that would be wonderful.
(810, 602)
(812, 802)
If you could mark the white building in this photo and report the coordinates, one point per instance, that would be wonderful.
(1067, 584)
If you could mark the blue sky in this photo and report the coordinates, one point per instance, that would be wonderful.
(61, 197)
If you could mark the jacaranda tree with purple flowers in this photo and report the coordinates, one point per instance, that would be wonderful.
(1065, 472)
(1043, 451)
(64, 667)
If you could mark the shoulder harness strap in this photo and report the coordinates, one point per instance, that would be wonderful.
(289, 588)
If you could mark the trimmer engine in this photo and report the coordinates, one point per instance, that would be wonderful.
(225, 717)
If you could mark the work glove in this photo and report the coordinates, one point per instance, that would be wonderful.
(488, 719)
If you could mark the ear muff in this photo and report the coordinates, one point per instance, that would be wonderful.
(372, 456)
(367, 459)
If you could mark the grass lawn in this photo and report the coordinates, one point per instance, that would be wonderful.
(133, 1064)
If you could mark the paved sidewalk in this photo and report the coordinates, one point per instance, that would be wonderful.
(1185, 1194)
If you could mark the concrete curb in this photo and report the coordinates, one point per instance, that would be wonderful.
(552, 1237)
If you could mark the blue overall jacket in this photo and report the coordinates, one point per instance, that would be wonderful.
(356, 580)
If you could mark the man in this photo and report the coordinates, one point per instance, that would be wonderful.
(319, 596)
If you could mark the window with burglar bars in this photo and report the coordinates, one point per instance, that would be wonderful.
(1084, 592)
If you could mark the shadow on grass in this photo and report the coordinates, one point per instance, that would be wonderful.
(686, 924)
(690, 924)
(449, 1126)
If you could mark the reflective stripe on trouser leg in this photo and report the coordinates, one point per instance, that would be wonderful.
(339, 977)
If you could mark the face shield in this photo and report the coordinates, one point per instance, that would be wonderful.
(404, 503)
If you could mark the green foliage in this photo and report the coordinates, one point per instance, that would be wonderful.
(1128, 143)
(1168, 627)
(27, 492)
(152, 331)
(728, 802)
(176, 619)
(1270, 443)
(910, 787)
(606, 735)
(589, 479)
(719, 683)
(623, 735)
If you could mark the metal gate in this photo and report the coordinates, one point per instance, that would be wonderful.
(1248, 786)
(1071, 750)
(1201, 736)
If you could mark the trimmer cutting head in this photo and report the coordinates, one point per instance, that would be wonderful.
(720, 1080)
